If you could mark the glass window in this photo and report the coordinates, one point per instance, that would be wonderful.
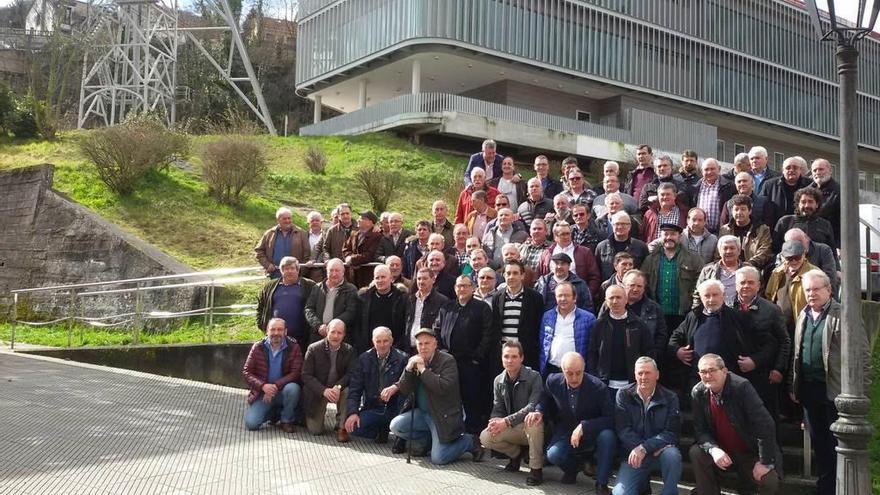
(863, 181)
(719, 153)
(876, 182)
(738, 148)
(778, 158)
(582, 116)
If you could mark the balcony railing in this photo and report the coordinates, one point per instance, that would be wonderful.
(663, 132)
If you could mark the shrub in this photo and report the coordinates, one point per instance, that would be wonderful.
(316, 160)
(23, 122)
(379, 183)
(125, 153)
(232, 165)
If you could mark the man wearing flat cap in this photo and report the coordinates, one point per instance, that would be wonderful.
(430, 380)
(361, 248)
(561, 272)
(785, 287)
(671, 275)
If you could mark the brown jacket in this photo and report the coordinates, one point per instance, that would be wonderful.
(757, 245)
(362, 251)
(256, 367)
(299, 245)
(316, 370)
(330, 245)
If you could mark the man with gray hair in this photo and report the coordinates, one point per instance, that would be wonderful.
(334, 298)
(715, 328)
(754, 237)
(373, 400)
(505, 231)
(760, 171)
(327, 369)
(378, 304)
(816, 368)
(732, 430)
(664, 168)
(335, 237)
(723, 270)
(284, 239)
(487, 159)
(824, 181)
(316, 234)
(712, 192)
(611, 185)
(647, 419)
(285, 298)
(534, 205)
(818, 254)
(779, 191)
(620, 241)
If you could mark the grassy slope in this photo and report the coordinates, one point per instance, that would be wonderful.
(172, 210)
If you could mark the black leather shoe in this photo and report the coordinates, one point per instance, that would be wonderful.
(602, 489)
(382, 437)
(477, 450)
(399, 446)
(535, 477)
(513, 465)
(569, 478)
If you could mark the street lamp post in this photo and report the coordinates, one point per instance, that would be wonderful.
(852, 428)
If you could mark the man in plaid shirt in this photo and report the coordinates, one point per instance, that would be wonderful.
(531, 250)
(712, 192)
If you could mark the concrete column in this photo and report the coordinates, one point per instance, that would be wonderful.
(362, 94)
(317, 117)
(416, 77)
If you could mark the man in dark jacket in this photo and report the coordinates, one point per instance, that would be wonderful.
(779, 191)
(671, 275)
(517, 391)
(327, 370)
(766, 317)
(360, 249)
(465, 330)
(517, 313)
(664, 168)
(378, 304)
(619, 241)
(647, 418)
(272, 368)
(715, 328)
(583, 262)
(546, 285)
(551, 186)
(286, 298)
(330, 246)
(415, 248)
(617, 340)
(431, 378)
(646, 309)
(421, 308)
(830, 189)
(732, 429)
(808, 201)
(334, 298)
(578, 406)
(487, 159)
(373, 400)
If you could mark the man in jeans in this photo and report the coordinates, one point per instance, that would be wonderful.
(437, 421)
(648, 423)
(271, 371)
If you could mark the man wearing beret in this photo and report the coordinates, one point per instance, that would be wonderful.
(360, 249)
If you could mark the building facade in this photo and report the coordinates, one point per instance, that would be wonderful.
(590, 77)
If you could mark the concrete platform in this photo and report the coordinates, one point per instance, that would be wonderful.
(75, 428)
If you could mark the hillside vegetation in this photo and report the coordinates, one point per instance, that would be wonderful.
(173, 211)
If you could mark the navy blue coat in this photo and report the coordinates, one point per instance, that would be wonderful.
(363, 387)
(477, 160)
(654, 428)
(594, 410)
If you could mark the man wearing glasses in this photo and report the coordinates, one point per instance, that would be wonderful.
(733, 432)
(785, 285)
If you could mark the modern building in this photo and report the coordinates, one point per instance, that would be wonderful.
(586, 77)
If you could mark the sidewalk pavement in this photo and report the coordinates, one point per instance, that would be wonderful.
(76, 428)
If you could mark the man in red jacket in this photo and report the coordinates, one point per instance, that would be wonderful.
(271, 371)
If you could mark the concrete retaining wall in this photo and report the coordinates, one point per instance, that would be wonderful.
(50, 240)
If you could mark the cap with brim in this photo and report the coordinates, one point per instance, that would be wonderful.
(792, 248)
(670, 226)
(424, 331)
(561, 257)
(370, 215)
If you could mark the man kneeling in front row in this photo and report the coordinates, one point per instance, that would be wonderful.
(517, 393)
(271, 371)
(375, 381)
(437, 420)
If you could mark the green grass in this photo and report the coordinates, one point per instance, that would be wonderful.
(173, 211)
(241, 329)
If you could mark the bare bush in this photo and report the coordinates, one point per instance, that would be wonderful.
(315, 160)
(379, 183)
(125, 153)
(232, 165)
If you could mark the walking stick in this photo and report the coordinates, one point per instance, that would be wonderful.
(412, 425)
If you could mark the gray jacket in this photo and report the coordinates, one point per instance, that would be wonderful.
(440, 379)
(527, 390)
(830, 352)
(707, 249)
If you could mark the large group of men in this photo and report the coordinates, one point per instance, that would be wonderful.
(535, 321)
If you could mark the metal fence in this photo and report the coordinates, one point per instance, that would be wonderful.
(138, 287)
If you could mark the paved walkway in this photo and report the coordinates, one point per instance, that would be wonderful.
(74, 428)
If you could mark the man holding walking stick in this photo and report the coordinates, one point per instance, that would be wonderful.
(434, 419)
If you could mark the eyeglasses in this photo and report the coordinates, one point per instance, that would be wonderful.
(794, 258)
(574, 179)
